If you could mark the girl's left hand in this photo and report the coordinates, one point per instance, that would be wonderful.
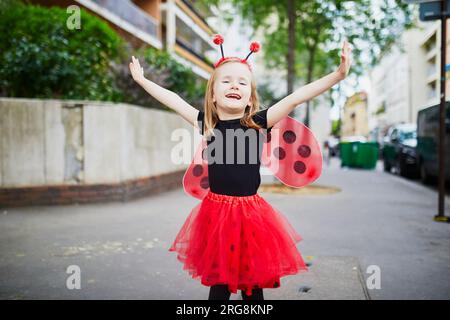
(345, 60)
(137, 72)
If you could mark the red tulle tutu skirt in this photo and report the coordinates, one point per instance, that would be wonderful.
(239, 241)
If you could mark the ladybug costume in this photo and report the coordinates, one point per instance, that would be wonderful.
(233, 236)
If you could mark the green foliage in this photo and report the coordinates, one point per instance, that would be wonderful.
(381, 109)
(178, 78)
(321, 26)
(41, 57)
(336, 128)
(371, 27)
(266, 95)
(162, 69)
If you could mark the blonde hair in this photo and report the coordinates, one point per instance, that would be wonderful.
(210, 109)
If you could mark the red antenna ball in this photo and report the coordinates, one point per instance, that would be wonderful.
(218, 39)
(255, 46)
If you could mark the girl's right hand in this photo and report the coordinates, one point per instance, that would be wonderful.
(137, 72)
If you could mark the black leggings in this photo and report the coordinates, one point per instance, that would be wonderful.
(220, 292)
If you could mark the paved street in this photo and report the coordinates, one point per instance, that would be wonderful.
(377, 219)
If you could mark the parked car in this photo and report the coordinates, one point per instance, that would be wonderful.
(428, 143)
(333, 145)
(399, 150)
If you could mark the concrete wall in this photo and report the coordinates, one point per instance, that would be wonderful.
(53, 142)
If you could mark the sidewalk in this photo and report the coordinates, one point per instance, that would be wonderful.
(329, 278)
(122, 248)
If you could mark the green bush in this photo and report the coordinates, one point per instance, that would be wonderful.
(40, 57)
(162, 69)
(180, 78)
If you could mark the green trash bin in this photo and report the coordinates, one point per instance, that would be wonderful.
(358, 154)
(367, 155)
(346, 154)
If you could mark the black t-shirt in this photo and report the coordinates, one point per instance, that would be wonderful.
(238, 175)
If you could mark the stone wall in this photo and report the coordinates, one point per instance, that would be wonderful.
(75, 150)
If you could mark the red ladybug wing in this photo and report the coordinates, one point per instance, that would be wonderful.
(292, 153)
(195, 179)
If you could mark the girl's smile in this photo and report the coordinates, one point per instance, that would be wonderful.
(232, 89)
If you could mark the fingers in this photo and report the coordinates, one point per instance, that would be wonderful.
(138, 64)
(346, 49)
(135, 65)
(135, 62)
(346, 45)
(135, 68)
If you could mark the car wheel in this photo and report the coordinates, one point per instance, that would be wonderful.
(402, 169)
(405, 171)
(398, 167)
(424, 175)
(386, 166)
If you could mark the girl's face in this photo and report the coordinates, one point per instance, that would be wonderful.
(232, 88)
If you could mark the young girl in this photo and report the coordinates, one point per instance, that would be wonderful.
(233, 239)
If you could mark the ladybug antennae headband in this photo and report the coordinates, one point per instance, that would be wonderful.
(254, 47)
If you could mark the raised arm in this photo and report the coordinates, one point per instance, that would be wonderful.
(283, 107)
(166, 97)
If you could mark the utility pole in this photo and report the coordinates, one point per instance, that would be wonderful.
(437, 10)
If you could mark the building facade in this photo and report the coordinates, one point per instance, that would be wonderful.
(407, 78)
(355, 116)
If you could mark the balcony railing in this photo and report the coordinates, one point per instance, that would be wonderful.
(431, 94)
(431, 71)
(185, 46)
(128, 11)
(195, 11)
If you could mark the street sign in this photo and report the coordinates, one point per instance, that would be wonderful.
(431, 10)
